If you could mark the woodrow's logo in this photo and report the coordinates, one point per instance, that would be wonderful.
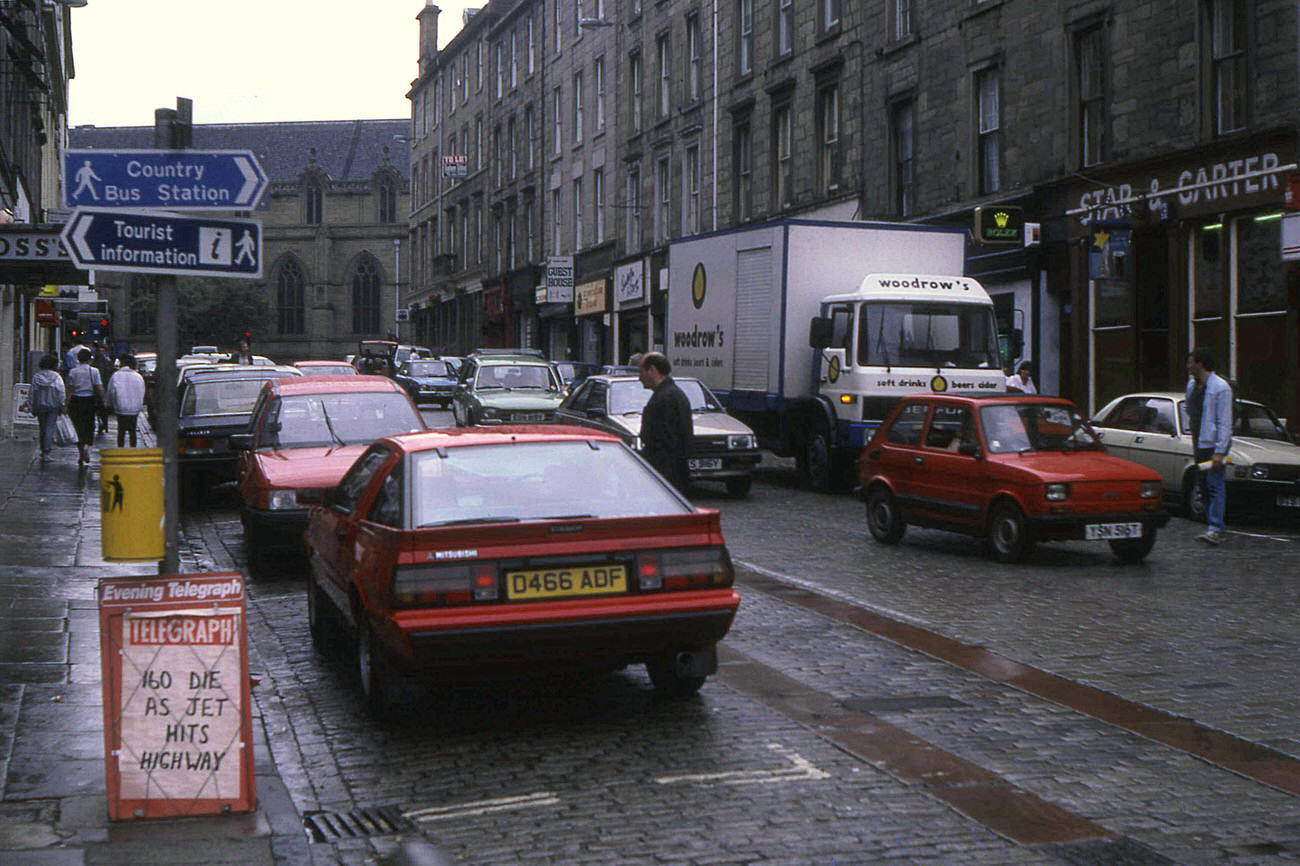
(938, 384)
(699, 285)
(833, 368)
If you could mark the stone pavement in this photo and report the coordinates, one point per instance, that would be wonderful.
(53, 796)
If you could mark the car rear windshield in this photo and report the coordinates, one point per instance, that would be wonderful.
(536, 480)
(1252, 419)
(629, 398)
(512, 376)
(432, 368)
(221, 397)
(339, 419)
(1036, 427)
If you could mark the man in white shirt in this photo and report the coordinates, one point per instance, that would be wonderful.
(84, 387)
(126, 399)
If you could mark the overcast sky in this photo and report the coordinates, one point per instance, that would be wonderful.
(246, 61)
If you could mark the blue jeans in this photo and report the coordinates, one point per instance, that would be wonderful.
(1214, 489)
(47, 418)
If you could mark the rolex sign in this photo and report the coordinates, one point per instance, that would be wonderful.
(999, 224)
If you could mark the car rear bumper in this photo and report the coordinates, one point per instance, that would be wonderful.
(1065, 527)
(505, 639)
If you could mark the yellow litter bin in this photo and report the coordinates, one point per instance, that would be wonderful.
(131, 503)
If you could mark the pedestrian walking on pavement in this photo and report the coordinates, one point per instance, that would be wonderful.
(103, 362)
(70, 356)
(666, 427)
(45, 400)
(1023, 380)
(1209, 407)
(126, 399)
(84, 388)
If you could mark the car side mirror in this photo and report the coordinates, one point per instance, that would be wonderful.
(820, 330)
(968, 449)
(240, 441)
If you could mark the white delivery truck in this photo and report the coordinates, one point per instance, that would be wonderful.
(811, 331)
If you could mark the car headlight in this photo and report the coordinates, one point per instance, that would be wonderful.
(490, 413)
(1152, 490)
(741, 442)
(1259, 472)
(279, 499)
(1057, 492)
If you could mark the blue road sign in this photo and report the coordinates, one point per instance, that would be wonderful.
(152, 243)
(169, 179)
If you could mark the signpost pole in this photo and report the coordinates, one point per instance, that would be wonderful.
(167, 124)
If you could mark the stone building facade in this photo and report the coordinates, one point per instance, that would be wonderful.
(334, 224)
(1148, 144)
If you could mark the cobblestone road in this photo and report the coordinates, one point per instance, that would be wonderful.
(755, 770)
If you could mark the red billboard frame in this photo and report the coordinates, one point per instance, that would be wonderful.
(167, 736)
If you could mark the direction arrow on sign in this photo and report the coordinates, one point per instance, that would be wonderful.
(153, 243)
(171, 179)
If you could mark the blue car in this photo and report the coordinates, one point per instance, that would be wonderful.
(428, 380)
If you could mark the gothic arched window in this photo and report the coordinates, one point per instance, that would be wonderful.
(290, 298)
(365, 297)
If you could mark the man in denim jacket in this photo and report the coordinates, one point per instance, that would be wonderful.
(1209, 406)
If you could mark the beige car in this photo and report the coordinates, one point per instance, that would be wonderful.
(725, 449)
(1152, 428)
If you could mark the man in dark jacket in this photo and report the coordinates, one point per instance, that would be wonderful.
(666, 429)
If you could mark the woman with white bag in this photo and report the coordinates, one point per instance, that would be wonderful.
(45, 400)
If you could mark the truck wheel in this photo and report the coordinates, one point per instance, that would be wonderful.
(1134, 549)
(739, 487)
(1009, 538)
(883, 518)
(814, 460)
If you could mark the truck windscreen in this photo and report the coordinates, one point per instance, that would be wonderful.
(915, 334)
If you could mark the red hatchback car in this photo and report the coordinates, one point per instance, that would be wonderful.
(304, 434)
(1014, 468)
(470, 554)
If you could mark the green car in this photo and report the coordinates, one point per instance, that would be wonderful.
(506, 390)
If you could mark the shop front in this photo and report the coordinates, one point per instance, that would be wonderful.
(1186, 252)
(589, 306)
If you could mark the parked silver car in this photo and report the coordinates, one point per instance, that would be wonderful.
(724, 450)
(1152, 428)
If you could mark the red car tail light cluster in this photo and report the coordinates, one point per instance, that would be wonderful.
(435, 585)
(195, 445)
(689, 568)
(477, 582)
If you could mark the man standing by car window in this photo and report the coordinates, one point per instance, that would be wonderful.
(1209, 407)
(666, 428)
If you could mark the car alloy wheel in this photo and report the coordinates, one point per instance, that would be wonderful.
(1194, 504)
(883, 520)
(1009, 533)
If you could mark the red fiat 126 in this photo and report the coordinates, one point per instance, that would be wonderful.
(473, 554)
(1014, 468)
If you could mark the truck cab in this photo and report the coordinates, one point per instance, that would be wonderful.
(899, 334)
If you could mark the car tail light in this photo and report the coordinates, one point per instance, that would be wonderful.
(433, 585)
(195, 445)
(689, 568)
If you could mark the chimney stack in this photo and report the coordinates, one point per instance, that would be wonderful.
(428, 19)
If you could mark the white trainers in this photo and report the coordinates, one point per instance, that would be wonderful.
(1212, 537)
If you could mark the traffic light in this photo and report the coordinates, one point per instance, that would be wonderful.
(99, 328)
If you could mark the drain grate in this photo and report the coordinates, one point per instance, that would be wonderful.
(359, 823)
(903, 703)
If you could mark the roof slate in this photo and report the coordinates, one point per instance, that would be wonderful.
(346, 150)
